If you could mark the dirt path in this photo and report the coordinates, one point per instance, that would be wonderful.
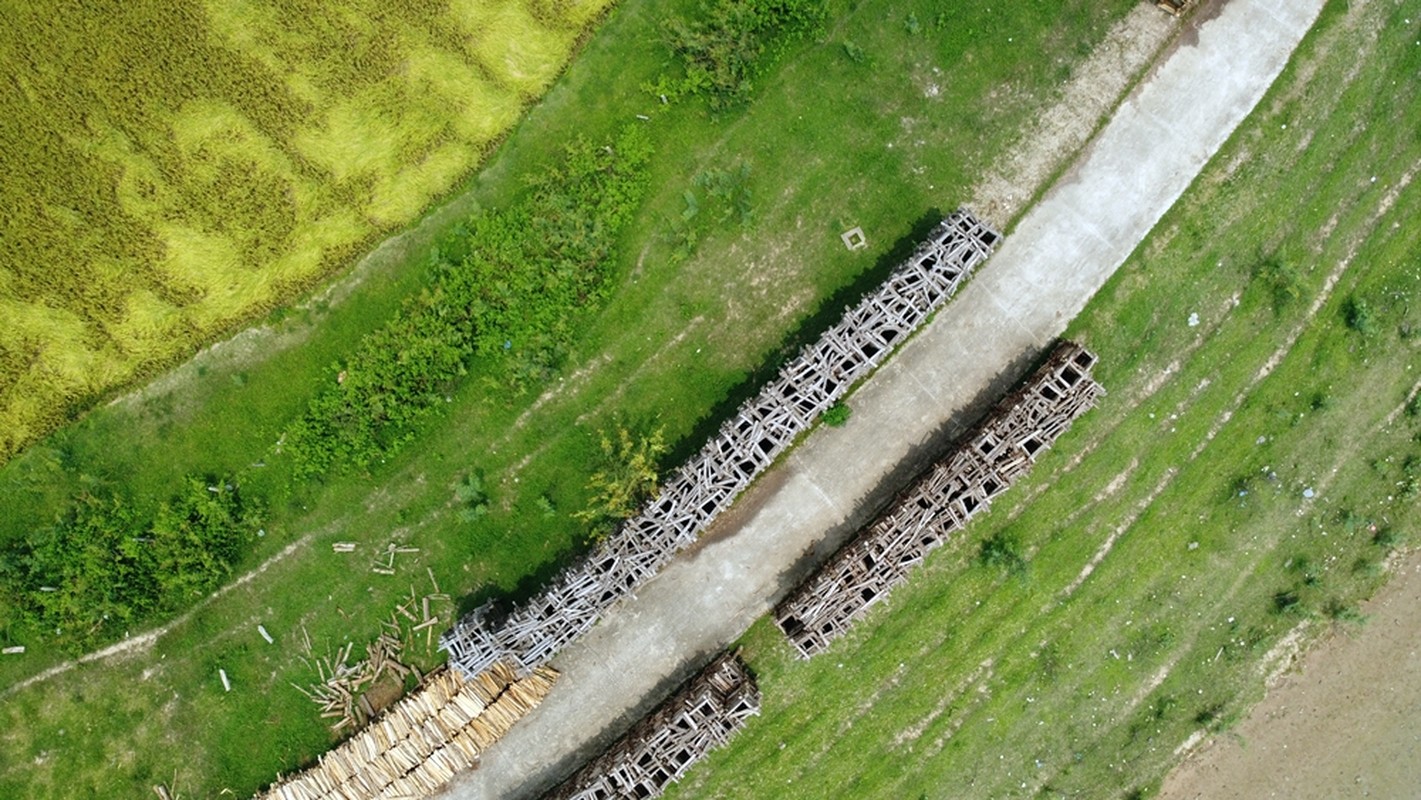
(1057, 258)
(1345, 723)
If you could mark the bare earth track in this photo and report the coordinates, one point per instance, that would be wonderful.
(1059, 255)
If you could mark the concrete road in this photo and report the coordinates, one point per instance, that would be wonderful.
(1059, 256)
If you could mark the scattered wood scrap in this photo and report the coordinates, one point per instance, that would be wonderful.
(338, 689)
(387, 566)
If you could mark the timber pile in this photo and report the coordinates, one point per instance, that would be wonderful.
(532, 633)
(1175, 7)
(419, 744)
(986, 463)
(337, 692)
(660, 749)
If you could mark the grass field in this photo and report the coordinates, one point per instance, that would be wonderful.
(1238, 492)
(703, 304)
(176, 169)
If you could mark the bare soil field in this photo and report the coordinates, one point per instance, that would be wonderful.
(1345, 722)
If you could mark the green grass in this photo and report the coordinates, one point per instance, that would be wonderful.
(692, 326)
(981, 681)
(175, 169)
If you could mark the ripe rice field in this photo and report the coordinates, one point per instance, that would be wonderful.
(174, 169)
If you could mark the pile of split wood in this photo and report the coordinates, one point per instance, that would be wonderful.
(419, 744)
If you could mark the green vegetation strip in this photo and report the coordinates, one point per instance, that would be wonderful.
(1243, 487)
(733, 260)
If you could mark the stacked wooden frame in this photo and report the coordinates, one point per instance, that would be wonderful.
(418, 745)
(530, 634)
(657, 751)
(983, 465)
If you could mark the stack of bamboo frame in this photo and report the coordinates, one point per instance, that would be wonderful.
(980, 467)
(762, 429)
(710, 709)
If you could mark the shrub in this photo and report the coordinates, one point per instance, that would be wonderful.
(1279, 279)
(735, 40)
(472, 497)
(1003, 550)
(1359, 316)
(627, 478)
(1387, 538)
(505, 291)
(103, 568)
(1287, 601)
(837, 415)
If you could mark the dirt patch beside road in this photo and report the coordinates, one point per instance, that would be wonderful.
(1346, 722)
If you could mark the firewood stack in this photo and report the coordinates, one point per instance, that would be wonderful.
(980, 467)
(423, 740)
(659, 750)
(763, 428)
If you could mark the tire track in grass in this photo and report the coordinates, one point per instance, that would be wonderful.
(1280, 657)
(1271, 364)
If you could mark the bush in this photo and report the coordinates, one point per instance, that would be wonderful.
(102, 568)
(627, 478)
(472, 497)
(1359, 316)
(1280, 279)
(837, 415)
(1003, 550)
(505, 291)
(736, 40)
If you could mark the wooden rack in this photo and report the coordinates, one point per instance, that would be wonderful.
(710, 709)
(530, 634)
(1001, 449)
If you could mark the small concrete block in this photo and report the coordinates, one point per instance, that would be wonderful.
(854, 238)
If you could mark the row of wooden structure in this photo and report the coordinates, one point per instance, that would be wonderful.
(711, 708)
(998, 451)
(422, 740)
(530, 634)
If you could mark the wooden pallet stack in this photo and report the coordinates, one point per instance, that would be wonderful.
(1000, 449)
(423, 740)
(659, 750)
(532, 633)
